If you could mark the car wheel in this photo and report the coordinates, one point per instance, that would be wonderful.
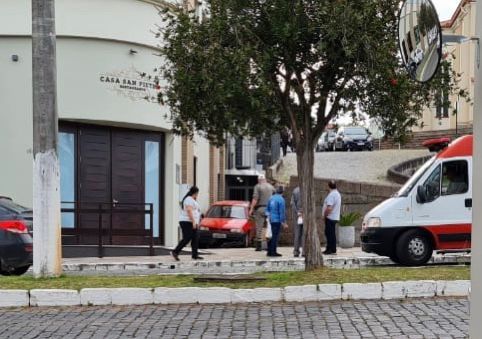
(413, 248)
(20, 270)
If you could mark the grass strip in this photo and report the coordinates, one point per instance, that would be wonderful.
(279, 279)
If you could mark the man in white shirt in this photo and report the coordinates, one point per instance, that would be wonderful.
(331, 213)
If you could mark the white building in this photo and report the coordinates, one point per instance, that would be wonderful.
(115, 143)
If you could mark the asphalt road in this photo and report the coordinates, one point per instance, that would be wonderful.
(420, 318)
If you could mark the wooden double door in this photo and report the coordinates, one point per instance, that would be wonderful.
(112, 166)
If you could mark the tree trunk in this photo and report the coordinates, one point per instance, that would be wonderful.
(47, 258)
(312, 248)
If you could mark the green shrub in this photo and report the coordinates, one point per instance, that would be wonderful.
(349, 219)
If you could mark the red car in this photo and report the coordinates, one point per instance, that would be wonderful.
(226, 222)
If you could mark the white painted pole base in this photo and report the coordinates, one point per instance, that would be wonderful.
(47, 250)
(476, 267)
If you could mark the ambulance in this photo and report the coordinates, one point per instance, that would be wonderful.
(431, 212)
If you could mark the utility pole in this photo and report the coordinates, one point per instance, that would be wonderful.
(476, 294)
(46, 177)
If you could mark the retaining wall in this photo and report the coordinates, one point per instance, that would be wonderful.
(356, 197)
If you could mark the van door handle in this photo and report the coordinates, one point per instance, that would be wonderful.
(468, 203)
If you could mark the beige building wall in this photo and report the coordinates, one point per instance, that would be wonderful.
(203, 166)
(461, 23)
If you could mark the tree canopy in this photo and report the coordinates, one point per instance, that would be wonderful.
(251, 66)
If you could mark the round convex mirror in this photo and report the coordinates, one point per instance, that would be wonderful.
(420, 39)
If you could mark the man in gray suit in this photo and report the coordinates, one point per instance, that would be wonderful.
(297, 211)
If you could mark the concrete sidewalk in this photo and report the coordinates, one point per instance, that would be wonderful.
(230, 261)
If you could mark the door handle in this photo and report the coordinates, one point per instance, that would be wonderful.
(468, 203)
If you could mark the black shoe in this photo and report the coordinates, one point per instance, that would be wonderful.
(277, 255)
(175, 256)
(197, 258)
(329, 252)
(259, 246)
(296, 255)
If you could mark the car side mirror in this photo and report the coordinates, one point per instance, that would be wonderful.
(421, 195)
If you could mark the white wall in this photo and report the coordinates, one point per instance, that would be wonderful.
(16, 121)
(126, 20)
(81, 61)
(201, 151)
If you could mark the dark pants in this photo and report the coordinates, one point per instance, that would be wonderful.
(189, 234)
(284, 146)
(330, 233)
(273, 242)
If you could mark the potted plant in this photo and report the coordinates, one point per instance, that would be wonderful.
(346, 231)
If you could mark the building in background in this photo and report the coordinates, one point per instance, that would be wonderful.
(246, 159)
(115, 145)
(438, 118)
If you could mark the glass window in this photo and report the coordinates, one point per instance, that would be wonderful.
(432, 185)
(67, 176)
(4, 213)
(355, 131)
(12, 206)
(152, 182)
(232, 212)
(455, 178)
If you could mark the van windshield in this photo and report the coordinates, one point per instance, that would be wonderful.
(410, 184)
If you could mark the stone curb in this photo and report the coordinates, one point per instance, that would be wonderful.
(243, 266)
(220, 295)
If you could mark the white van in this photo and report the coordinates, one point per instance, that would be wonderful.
(432, 211)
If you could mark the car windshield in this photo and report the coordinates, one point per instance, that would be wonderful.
(407, 188)
(356, 131)
(226, 211)
(9, 204)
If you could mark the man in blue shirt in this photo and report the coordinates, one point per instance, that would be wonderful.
(276, 212)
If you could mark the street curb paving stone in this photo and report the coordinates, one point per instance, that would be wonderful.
(182, 295)
(421, 288)
(356, 291)
(220, 295)
(394, 290)
(14, 298)
(54, 297)
(455, 288)
(132, 296)
(257, 295)
(96, 296)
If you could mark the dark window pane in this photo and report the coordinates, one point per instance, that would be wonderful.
(455, 178)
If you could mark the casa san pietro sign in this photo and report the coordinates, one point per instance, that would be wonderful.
(132, 84)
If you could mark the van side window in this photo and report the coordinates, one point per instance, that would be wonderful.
(432, 185)
(455, 179)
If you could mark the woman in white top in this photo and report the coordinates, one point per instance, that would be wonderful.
(189, 221)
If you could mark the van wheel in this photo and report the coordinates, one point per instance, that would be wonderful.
(394, 258)
(413, 248)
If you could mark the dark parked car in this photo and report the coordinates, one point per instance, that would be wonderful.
(16, 244)
(10, 210)
(353, 138)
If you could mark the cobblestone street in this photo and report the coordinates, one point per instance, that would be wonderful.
(353, 166)
(422, 318)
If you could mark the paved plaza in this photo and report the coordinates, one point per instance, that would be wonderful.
(352, 166)
(421, 318)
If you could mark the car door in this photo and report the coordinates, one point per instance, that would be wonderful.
(447, 211)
